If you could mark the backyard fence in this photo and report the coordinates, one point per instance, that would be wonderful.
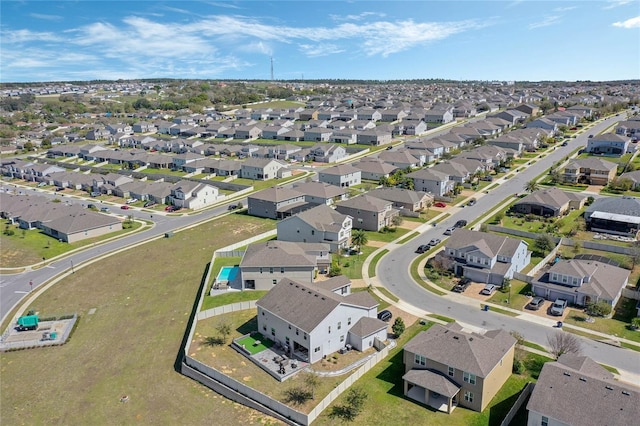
(32, 343)
(521, 399)
(226, 309)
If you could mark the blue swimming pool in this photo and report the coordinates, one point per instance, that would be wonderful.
(227, 273)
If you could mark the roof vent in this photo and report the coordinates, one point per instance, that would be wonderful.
(609, 387)
(471, 339)
(567, 374)
(455, 337)
(625, 393)
(582, 379)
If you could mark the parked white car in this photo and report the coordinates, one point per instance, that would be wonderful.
(489, 289)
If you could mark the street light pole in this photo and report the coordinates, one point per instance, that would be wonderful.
(72, 270)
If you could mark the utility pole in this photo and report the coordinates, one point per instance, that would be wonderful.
(272, 69)
(72, 270)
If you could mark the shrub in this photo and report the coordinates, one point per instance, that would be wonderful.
(518, 366)
(599, 309)
(398, 327)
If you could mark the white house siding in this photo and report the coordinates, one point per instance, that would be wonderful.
(535, 419)
(265, 280)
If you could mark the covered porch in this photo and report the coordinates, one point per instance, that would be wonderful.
(431, 388)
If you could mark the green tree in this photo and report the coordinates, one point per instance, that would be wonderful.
(531, 186)
(359, 238)
(600, 308)
(544, 243)
(354, 401)
(312, 381)
(224, 328)
(398, 327)
(397, 220)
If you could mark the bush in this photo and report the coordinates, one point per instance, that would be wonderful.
(398, 327)
(9, 232)
(518, 366)
(599, 309)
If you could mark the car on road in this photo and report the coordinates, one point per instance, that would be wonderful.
(232, 207)
(422, 248)
(489, 289)
(385, 315)
(149, 204)
(125, 207)
(172, 208)
(434, 242)
(471, 202)
(450, 230)
(558, 307)
(462, 285)
(590, 136)
(41, 184)
(565, 143)
(104, 209)
(91, 206)
(460, 224)
(536, 303)
(439, 204)
(389, 148)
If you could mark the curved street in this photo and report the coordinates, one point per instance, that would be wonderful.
(393, 270)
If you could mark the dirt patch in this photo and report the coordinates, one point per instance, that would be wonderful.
(359, 283)
(409, 225)
(399, 313)
(372, 243)
(594, 188)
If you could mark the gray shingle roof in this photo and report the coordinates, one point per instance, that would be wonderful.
(399, 195)
(323, 218)
(366, 203)
(628, 206)
(282, 254)
(366, 326)
(433, 381)
(470, 352)
(489, 244)
(581, 396)
(551, 197)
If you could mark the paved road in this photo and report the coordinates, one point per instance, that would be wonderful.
(393, 269)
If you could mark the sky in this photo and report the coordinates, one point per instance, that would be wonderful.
(531, 40)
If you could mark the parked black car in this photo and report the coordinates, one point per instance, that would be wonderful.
(460, 224)
(422, 248)
(384, 315)
(462, 285)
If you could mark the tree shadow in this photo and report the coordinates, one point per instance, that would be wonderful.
(214, 341)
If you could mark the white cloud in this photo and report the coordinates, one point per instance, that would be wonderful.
(565, 8)
(27, 36)
(547, 21)
(629, 23)
(46, 17)
(358, 17)
(317, 50)
(616, 3)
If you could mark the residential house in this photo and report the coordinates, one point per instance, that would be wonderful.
(193, 195)
(614, 215)
(375, 137)
(629, 128)
(261, 168)
(544, 123)
(264, 264)
(327, 153)
(441, 115)
(321, 193)
(344, 136)
(634, 177)
(320, 224)
(343, 175)
(318, 134)
(549, 202)
(592, 171)
(404, 199)
(283, 152)
(609, 144)
(582, 281)
(374, 169)
(446, 367)
(180, 160)
(276, 203)
(392, 114)
(114, 128)
(98, 134)
(530, 109)
(433, 181)
(402, 159)
(485, 258)
(144, 127)
(575, 390)
(311, 322)
(368, 213)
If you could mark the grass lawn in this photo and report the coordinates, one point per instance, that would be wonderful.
(130, 345)
(28, 247)
(617, 325)
(416, 277)
(374, 262)
(264, 184)
(231, 297)
(352, 266)
(517, 298)
(386, 237)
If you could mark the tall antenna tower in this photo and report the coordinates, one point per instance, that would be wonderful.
(272, 68)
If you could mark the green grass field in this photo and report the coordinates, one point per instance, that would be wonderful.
(130, 345)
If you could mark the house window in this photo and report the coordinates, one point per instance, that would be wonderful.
(420, 360)
(329, 329)
(468, 396)
(264, 327)
(544, 421)
(282, 270)
(271, 270)
(339, 325)
(349, 321)
(469, 378)
(451, 371)
(342, 338)
(297, 332)
(313, 232)
(273, 331)
(289, 326)
(260, 270)
(305, 336)
(287, 339)
(262, 313)
(274, 282)
(317, 349)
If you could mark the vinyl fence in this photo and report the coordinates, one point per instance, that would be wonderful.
(521, 399)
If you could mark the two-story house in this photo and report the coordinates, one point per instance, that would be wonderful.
(446, 367)
(320, 224)
(312, 322)
(368, 213)
(582, 281)
(405, 199)
(262, 169)
(276, 202)
(609, 144)
(321, 193)
(343, 175)
(193, 195)
(264, 264)
(327, 153)
(433, 181)
(485, 258)
(614, 215)
(592, 171)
